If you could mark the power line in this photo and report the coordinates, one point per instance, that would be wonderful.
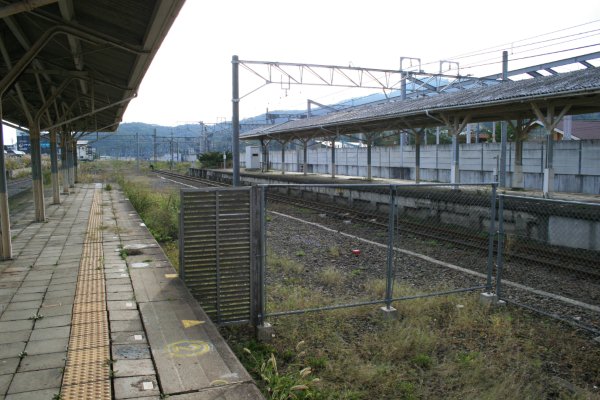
(510, 44)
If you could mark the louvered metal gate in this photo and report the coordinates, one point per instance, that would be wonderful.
(220, 251)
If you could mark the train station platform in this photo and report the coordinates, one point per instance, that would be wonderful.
(272, 176)
(91, 308)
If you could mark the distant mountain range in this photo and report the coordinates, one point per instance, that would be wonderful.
(191, 139)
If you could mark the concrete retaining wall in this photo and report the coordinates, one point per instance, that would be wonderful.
(566, 227)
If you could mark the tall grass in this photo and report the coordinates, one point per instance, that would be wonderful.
(158, 210)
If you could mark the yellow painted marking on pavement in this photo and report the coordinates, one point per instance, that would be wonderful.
(188, 348)
(219, 382)
(188, 323)
(171, 276)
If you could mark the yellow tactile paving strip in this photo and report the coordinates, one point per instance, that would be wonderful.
(87, 372)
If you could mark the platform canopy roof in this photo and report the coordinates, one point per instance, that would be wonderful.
(571, 93)
(76, 64)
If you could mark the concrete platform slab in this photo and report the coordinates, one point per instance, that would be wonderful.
(123, 315)
(32, 289)
(35, 395)
(122, 296)
(242, 391)
(62, 300)
(50, 333)
(188, 359)
(12, 326)
(60, 287)
(43, 361)
(13, 337)
(130, 352)
(27, 283)
(121, 305)
(46, 346)
(28, 297)
(128, 368)
(126, 326)
(8, 350)
(119, 288)
(24, 305)
(36, 380)
(51, 322)
(55, 309)
(113, 278)
(135, 387)
(60, 293)
(63, 280)
(9, 366)
(138, 337)
(18, 315)
(118, 281)
(152, 285)
(5, 383)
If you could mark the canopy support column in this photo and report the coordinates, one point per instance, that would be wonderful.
(417, 133)
(520, 127)
(333, 167)
(64, 160)
(369, 156)
(54, 168)
(283, 143)
(304, 154)
(550, 121)
(70, 161)
(36, 173)
(76, 162)
(5, 243)
(264, 143)
(455, 125)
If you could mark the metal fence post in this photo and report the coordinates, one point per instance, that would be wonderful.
(500, 255)
(491, 235)
(262, 266)
(181, 237)
(257, 255)
(390, 248)
(218, 257)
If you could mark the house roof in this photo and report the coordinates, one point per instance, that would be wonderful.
(580, 90)
(584, 129)
(88, 55)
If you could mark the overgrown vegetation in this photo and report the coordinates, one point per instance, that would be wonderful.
(449, 347)
(213, 159)
(157, 209)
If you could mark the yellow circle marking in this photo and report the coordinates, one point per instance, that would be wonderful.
(188, 348)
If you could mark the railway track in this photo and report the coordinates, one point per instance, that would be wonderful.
(568, 260)
(17, 186)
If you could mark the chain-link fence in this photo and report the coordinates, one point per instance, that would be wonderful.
(549, 258)
(334, 246)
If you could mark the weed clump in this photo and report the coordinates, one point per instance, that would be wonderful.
(159, 211)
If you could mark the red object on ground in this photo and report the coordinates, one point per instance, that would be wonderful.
(356, 252)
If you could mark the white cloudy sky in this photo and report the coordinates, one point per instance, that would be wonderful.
(190, 78)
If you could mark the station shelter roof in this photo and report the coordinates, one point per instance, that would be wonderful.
(577, 90)
(77, 61)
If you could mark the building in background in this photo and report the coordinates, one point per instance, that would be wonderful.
(24, 144)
